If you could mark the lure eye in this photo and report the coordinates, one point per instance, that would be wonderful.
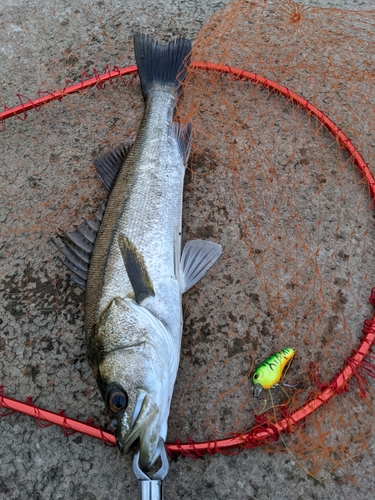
(256, 376)
(117, 400)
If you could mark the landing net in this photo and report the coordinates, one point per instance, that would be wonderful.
(280, 175)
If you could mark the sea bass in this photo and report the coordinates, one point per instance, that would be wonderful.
(134, 274)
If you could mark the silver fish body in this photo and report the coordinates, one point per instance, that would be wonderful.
(136, 276)
(146, 206)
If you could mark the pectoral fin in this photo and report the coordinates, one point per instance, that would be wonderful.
(197, 257)
(136, 269)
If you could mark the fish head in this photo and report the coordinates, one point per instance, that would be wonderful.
(136, 419)
(129, 363)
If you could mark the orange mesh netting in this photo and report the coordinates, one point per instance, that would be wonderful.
(288, 196)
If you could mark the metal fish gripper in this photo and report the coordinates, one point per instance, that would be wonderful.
(151, 488)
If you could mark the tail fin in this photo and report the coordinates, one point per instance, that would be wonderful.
(161, 65)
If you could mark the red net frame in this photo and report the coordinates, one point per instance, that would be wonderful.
(356, 365)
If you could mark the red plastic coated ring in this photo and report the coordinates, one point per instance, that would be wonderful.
(259, 434)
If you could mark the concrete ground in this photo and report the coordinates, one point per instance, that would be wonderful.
(42, 45)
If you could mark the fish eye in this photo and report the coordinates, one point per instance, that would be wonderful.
(117, 400)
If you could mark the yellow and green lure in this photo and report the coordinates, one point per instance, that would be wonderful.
(271, 370)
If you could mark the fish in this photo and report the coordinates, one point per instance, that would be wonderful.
(270, 371)
(128, 258)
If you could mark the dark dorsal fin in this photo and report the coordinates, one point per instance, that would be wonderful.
(109, 164)
(136, 269)
(79, 245)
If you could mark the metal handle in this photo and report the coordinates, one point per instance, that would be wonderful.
(151, 488)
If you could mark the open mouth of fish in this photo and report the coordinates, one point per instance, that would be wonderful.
(143, 429)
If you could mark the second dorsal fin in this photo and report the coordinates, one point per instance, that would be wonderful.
(108, 164)
(183, 137)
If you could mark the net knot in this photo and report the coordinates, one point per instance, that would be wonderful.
(261, 435)
(37, 415)
(42, 94)
(3, 127)
(22, 103)
(178, 444)
(314, 375)
(91, 423)
(2, 396)
(287, 416)
(372, 297)
(67, 84)
(368, 326)
(190, 452)
(196, 452)
(361, 381)
(99, 84)
(67, 431)
(107, 71)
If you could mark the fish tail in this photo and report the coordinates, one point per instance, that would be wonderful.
(162, 66)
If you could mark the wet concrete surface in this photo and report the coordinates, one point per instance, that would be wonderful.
(42, 45)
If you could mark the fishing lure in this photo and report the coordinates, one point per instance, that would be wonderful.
(270, 371)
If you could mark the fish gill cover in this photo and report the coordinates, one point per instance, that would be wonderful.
(266, 180)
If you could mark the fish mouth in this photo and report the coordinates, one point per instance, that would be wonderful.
(143, 427)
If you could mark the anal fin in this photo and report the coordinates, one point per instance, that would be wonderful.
(197, 257)
(136, 268)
